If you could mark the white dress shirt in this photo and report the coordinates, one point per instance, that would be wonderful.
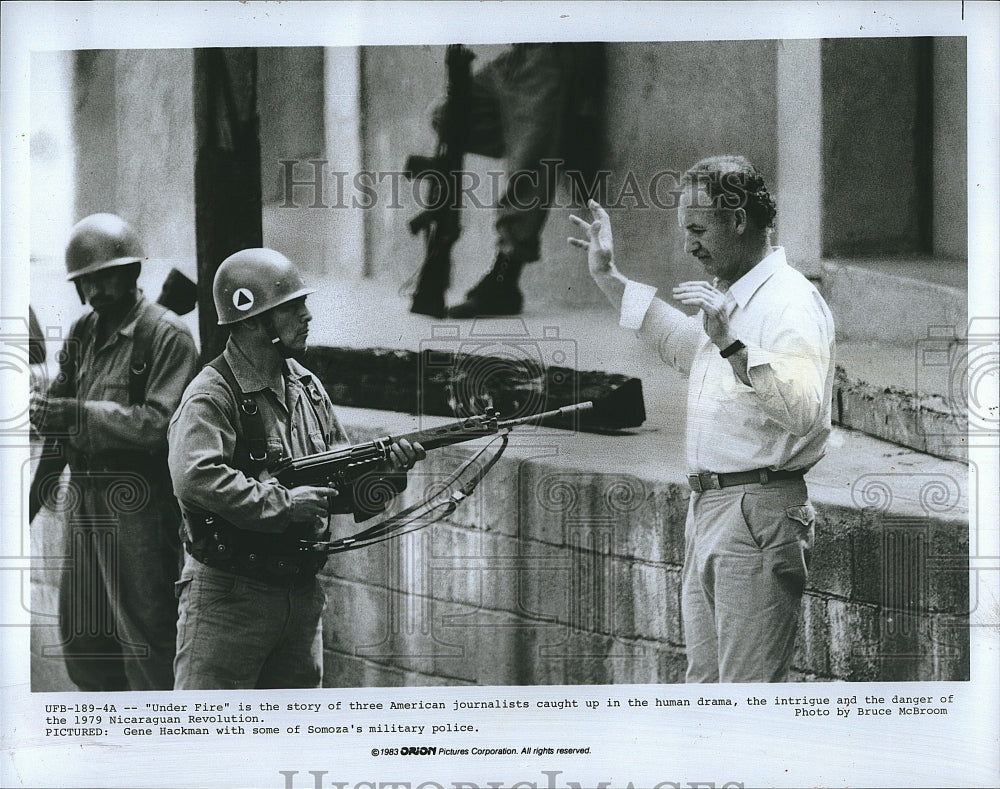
(782, 420)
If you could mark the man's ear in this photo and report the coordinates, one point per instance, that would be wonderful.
(740, 220)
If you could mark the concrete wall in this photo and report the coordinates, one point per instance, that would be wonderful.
(951, 182)
(894, 147)
(558, 572)
(554, 574)
(52, 154)
(132, 101)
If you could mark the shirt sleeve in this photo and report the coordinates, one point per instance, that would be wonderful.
(789, 374)
(202, 436)
(107, 425)
(674, 335)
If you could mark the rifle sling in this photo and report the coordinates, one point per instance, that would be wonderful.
(142, 352)
(396, 525)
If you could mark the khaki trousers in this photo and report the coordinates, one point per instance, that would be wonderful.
(746, 558)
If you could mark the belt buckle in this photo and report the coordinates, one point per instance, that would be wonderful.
(706, 480)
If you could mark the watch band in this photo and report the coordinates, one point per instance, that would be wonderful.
(729, 350)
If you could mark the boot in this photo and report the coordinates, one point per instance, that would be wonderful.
(495, 294)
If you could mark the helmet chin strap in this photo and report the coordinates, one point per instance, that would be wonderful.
(283, 350)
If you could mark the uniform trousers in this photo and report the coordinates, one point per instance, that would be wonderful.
(117, 612)
(523, 107)
(745, 568)
(238, 632)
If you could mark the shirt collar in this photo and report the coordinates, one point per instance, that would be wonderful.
(127, 327)
(253, 378)
(249, 373)
(743, 289)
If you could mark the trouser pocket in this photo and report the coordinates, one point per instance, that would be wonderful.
(784, 532)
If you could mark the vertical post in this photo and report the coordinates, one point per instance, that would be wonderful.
(800, 153)
(347, 248)
(227, 172)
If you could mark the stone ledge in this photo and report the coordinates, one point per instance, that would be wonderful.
(543, 549)
(926, 423)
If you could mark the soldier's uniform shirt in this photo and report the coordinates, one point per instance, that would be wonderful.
(236, 631)
(117, 609)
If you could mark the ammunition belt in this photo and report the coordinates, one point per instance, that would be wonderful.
(270, 558)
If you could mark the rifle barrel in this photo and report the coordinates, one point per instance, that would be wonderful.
(567, 409)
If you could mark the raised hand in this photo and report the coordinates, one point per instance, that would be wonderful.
(599, 242)
(712, 302)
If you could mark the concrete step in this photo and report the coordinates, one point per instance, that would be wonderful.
(895, 301)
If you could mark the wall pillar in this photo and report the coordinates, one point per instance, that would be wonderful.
(343, 117)
(800, 153)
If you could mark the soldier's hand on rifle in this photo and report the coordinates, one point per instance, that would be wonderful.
(598, 243)
(54, 414)
(403, 455)
(310, 503)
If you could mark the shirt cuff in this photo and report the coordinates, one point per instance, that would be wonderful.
(758, 357)
(635, 304)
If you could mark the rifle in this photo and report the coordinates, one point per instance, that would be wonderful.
(356, 473)
(440, 222)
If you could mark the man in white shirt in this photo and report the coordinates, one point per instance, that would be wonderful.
(760, 360)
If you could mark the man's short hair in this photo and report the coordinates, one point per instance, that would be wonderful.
(731, 182)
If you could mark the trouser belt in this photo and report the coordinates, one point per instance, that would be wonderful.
(710, 481)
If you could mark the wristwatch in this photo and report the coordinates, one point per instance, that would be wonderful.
(729, 350)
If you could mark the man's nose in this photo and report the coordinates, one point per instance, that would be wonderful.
(91, 286)
(690, 243)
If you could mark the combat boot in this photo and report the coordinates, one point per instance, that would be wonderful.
(496, 294)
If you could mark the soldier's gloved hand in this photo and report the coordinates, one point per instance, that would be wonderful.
(403, 455)
(311, 503)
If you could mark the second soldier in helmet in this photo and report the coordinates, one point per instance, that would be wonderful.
(250, 604)
(122, 372)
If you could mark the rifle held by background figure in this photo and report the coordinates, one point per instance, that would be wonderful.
(440, 220)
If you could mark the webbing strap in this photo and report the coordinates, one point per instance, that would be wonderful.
(142, 353)
(412, 518)
(250, 455)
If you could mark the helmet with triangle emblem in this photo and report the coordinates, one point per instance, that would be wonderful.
(252, 281)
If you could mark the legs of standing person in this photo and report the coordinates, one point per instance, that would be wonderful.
(698, 607)
(745, 572)
(91, 645)
(142, 586)
(519, 107)
(297, 660)
(235, 632)
(532, 89)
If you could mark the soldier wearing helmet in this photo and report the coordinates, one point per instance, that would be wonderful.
(250, 603)
(123, 369)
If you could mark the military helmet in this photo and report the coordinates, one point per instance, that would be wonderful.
(101, 241)
(253, 281)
